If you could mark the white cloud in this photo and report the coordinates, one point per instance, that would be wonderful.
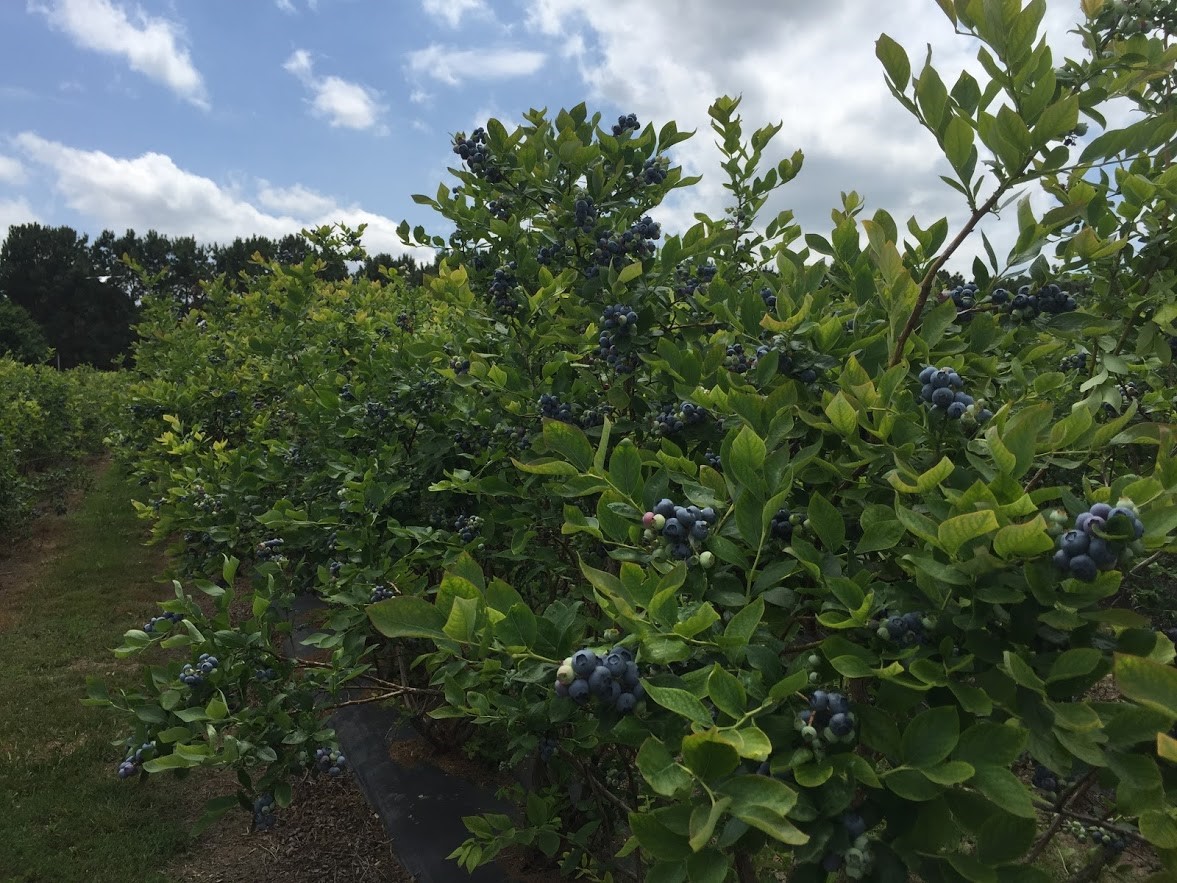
(151, 45)
(341, 102)
(450, 65)
(452, 11)
(286, 6)
(15, 211)
(151, 192)
(810, 66)
(11, 170)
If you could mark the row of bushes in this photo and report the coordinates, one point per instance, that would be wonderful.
(868, 551)
(48, 420)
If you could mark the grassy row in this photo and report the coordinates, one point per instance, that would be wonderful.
(74, 587)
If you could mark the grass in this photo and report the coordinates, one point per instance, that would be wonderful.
(66, 595)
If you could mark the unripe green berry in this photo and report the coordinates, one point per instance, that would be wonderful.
(706, 560)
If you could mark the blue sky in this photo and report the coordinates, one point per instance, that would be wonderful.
(219, 118)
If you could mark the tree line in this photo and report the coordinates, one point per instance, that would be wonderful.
(71, 301)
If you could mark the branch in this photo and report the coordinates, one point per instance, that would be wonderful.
(930, 277)
(1057, 822)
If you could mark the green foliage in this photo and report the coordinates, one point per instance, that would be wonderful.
(848, 665)
(20, 336)
(48, 420)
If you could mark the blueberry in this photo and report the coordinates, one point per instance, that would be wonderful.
(699, 530)
(665, 508)
(1100, 510)
(941, 379)
(841, 725)
(819, 701)
(926, 392)
(943, 397)
(578, 691)
(616, 664)
(854, 824)
(673, 529)
(926, 374)
(1101, 552)
(685, 516)
(955, 410)
(1074, 542)
(624, 651)
(707, 514)
(584, 663)
(632, 675)
(1083, 568)
(838, 704)
(625, 703)
(600, 680)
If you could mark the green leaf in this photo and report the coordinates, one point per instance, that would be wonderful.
(1149, 683)
(1005, 789)
(657, 839)
(1004, 838)
(704, 818)
(989, 744)
(746, 459)
(880, 529)
(894, 60)
(625, 469)
(727, 692)
(708, 866)
(763, 802)
(680, 702)
(912, 785)
(569, 441)
(659, 769)
(1026, 540)
(957, 531)
(707, 757)
(630, 272)
(842, 415)
(826, 522)
(930, 737)
(408, 617)
(1157, 827)
(1074, 664)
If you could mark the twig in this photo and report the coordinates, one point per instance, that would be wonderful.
(1058, 808)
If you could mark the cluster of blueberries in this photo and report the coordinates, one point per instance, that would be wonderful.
(680, 526)
(614, 679)
(1098, 538)
(551, 407)
(942, 389)
(585, 212)
(547, 254)
(134, 760)
(827, 717)
(330, 761)
(265, 674)
(689, 280)
(781, 525)
(906, 630)
(786, 363)
(267, 550)
(627, 122)
(1076, 362)
(675, 419)
(612, 249)
(1129, 390)
(769, 298)
(194, 675)
(263, 812)
(617, 320)
(965, 298)
(466, 527)
(737, 360)
(475, 152)
(1114, 843)
(404, 322)
(383, 593)
(856, 860)
(1026, 303)
(498, 208)
(654, 170)
(459, 365)
(713, 460)
(150, 625)
(502, 288)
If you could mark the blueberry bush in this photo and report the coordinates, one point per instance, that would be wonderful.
(49, 420)
(736, 546)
